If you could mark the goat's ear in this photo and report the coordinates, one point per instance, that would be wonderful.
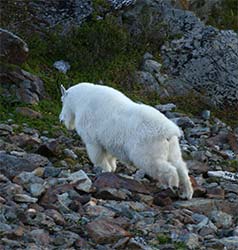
(63, 90)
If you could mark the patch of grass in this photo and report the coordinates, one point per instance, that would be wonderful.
(99, 51)
(230, 165)
(163, 238)
(180, 246)
(225, 16)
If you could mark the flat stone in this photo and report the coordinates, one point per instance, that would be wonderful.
(111, 180)
(183, 122)
(230, 243)
(50, 197)
(216, 193)
(147, 80)
(58, 218)
(151, 66)
(65, 239)
(7, 128)
(70, 153)
(197, 205)
(112, 194)
(82, 180)
(24, 198)
(165, 107)
(104, 231)
(197, 167)
(221, 219)
(40, 237)
(99, 211)
(11, 165)
(36, 189)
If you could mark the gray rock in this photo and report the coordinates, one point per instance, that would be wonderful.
(148, 56)
(22, 85)
(70, 153)
(147, 80)
(193, 59)
(165, 107)
(139, 175)
(84, 183)
(51, 172)
(138, 243)
(235, 232)
(40, 237)
(12, 165)
(118, 4)
(65, 239)
(36, 189)
(221, 219)
(206, 114)
(62, 66)
(190, 60)
(198, 131)
(24, 198)
(151, 66)
(230, 243)
(5, 129)
(184, 122)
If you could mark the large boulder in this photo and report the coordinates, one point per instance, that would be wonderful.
(21, 84)
(194, 56)
(35, 16)
(13, 49)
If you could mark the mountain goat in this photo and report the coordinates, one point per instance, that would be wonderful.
(114, 127)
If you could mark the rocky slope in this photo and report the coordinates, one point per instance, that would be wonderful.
(52, 198)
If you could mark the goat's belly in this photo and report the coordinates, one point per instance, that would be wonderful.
(119, 152)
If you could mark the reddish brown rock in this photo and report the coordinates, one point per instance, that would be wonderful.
(58, 218)
(23, 140)
(111, 180)
(50, 198)
(104, 231)
(13, 49)
(233, 141)
(197, 167)
(165, 197)
(216, 193)
(25, 111)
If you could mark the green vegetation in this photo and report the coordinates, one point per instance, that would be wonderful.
(99, 51)
(163, 238)
(225, 16)
(230, 165)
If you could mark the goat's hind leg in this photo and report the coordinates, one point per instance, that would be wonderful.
(99, 157)
(175, 157)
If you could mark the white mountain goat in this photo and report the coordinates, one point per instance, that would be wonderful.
(114, 127)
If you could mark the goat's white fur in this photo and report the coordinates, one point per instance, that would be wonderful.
(114, 127)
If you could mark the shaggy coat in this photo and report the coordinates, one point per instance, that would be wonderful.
(114, 127)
